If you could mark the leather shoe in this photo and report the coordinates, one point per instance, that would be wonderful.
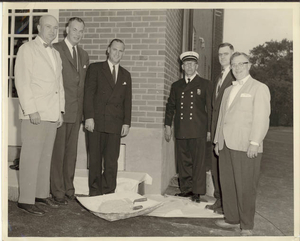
(216, 205)
(223, 224)
(31, 208)
(219, 211)
(247, 232)
(184, 194)
(46, 201)
(196, 198)
(60, 201)
(71, 197)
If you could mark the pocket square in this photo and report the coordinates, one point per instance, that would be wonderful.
(124, 83)
(246, 95)
(84, 66)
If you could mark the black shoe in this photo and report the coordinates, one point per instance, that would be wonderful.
(196, 198)
(71, 197)
(31, 208)
(216, 205)
(184, 194)
(46, 201)
(60, 201)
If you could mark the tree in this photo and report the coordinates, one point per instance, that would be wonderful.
(272, 64)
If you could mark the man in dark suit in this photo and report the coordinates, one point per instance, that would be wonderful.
(42, 102)
(190, 102)
(107, 113)
(223, 81)
(74, 62)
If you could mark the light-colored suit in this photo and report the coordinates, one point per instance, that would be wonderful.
(245, 120)
(40, 89)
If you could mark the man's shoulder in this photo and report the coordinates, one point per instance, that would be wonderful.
(178, 82)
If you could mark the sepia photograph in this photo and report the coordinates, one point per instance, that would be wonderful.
(150, 120)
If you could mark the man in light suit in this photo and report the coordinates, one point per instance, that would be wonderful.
(242, 126)
(107, 113)
(75, 62)
(190, 103)
(223, 81)
(41, 95)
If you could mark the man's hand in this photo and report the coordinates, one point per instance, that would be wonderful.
(125, 130)
(168, 133)
(35, 118)
(208, 137)
(90, 124)
(252, 151)
(217, 149)
(60, 120)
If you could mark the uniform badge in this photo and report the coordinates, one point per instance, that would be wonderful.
(198, 92)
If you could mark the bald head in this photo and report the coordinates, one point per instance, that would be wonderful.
(48, 28)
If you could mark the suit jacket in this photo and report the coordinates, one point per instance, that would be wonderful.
(216, 101)
(39, 85)
(191, 105)
(246, 119)
(73, 80)
(108, 103)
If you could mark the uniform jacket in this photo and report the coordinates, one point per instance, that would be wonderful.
(40, 87)
(73, 80)
(191, 105)
(246, 119)
(109, 104)
(216, 101)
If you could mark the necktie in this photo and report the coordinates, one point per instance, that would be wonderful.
(219, 83)
(189, 80)
(74, 57)
(114, 74)
(47, 45)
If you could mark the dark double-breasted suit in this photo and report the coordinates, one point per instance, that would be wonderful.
(216, 103)
(65, 146)
(191, 106)
(109, 104)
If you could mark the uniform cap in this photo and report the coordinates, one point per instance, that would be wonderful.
(189, 55)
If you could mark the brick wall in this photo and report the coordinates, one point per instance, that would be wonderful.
(153, 43)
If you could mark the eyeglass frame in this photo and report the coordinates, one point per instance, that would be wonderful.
(241, 64)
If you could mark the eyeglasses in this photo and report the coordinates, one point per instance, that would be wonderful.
(189, 63)
(240, 65)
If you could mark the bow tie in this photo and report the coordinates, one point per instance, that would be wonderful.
(237, 82)
(48, 45)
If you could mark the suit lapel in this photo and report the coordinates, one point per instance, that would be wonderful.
(196, 81)
(245, 85)
(44, 54)
(67, 53)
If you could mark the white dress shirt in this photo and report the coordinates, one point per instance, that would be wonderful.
(191, 78)
(236, 86)
(70, 47)
(49, 52)
(111, 66)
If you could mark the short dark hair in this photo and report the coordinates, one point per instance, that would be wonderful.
(226, 45)
(116, 40)
(80, 20)
(236, 54)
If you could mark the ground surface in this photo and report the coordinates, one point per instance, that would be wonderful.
(274, 216)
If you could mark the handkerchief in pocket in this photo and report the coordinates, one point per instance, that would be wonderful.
(246, 95)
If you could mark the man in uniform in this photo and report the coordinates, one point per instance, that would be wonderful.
(190, 102)
(223, 81)
(75, 62)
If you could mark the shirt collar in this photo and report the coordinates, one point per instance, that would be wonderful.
(70, 46)
(242, 81)
(42, 40)
(111, 64)
(191, 77)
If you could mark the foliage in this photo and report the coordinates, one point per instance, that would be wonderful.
(272, 64)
